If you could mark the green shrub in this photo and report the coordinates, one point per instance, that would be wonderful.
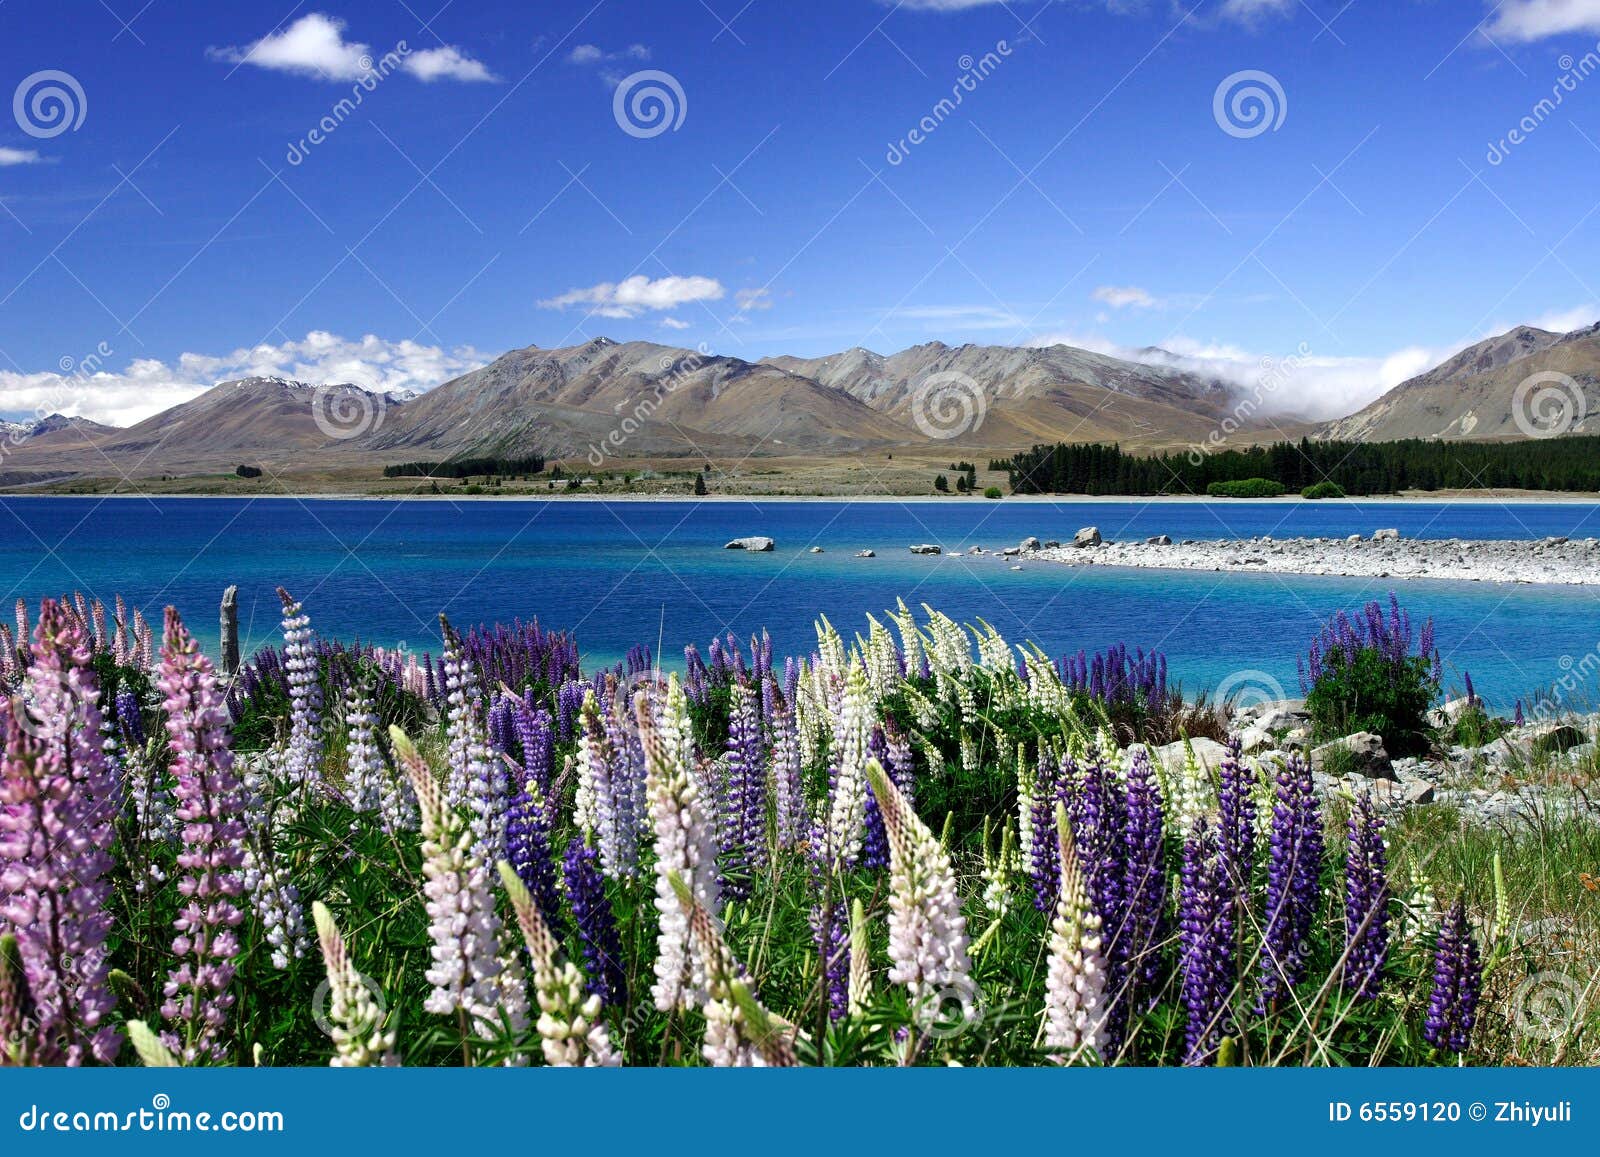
(992, 492)
(1362, 675)
(1323, 490)
(1246, 488)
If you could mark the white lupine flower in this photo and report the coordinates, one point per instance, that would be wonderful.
(994, 653)
(592, 801)
(462, 922)
(847, 810)
(1075, 1001)
(998, 869)
(571, 1032)
(740, 1032)
(882, 659)
(684, 846)
(356, 1021)
(911, 640)
(1027, 785)
(366, 779)
(860, 993)
(927, 933)
(1045, 690)
(830, 648)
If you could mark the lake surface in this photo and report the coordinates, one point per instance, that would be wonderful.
(621, 573)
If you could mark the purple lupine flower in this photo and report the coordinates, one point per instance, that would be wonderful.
(502, 730)
(902, 765)
(607, 977)
(1389, 636)
(629, 806)
(875, 843)
(787, 789)
(534, 737)
(59, 796)
(1457, 982)
(1044, 863)
(1472, 696)
(742, 801)
(1236, 818)
(569, 702)
(1206, 949)
(529, 852)
(830, 928)
(477, 776)
(1099, 814)
(130, 720)
(1366, 901)
(1146, 884)
(302, 664)
(210, 803)
(1294, 869)
(1517, 719)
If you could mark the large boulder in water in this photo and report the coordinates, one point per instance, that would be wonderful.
(753, 542)
(1088, 536)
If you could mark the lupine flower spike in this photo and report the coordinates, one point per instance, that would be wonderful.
(1457, 982)
(1075, 986)
(356, 1021)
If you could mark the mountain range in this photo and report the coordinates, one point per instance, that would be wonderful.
(606, 401)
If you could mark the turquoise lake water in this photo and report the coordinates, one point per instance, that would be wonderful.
(620, 573)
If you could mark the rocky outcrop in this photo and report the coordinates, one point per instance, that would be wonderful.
(1088, 536)
(926, 548)
(755, 542)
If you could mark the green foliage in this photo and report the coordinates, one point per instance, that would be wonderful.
(941, 484)
(1363, 691)
(1246, 488)
(1324, 489)
(247, 471)
(466, 467)
(993, 492)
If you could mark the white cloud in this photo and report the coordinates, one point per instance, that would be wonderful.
(1240, 11)
(19, 157)
(748, 299)
(1526, 20)
(1567, 320)
(315, 46)
(447, 62)
(673, 323)
(1125, 297)
(638, 294)
(962, 316)
(148, 386)
(1247, 11)
(594, 54)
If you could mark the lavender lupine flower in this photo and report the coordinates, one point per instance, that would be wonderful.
(1457, 982)
(786, 786)
(1145, 887)
(210, 802)
(1099, 814)
(1206, 946)
(533, 726)
(684, 846)
(1236, 818)
(502, 731)
(847, 805)
(1366, 901)
(366, 773)
(628, 804)
(59, 797)
(1044, 852)
(927, 932)
(610, 788)
(356, 1021)
(742, 801)
(830, 930)
(1294, 869)
(739, 1031)
(529, 851)
(303, 755)
(467, 970)
(477, 776)
(571, 1032)
(1076, 1004)
(1517, 719)
(597, 924)
(875, 840)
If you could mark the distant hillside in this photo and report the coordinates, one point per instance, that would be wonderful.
(1550, 381)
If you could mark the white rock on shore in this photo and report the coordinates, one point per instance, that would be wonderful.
(753, 542)
(1558, 561)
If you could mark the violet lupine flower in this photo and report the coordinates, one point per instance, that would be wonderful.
(607, 977)
(59, 797)
(927, 932)
(1390, 636)
(1206, 962)
(1044, 854)
(1236, 818)
(303, 755)
(364, 783)
(1076, 1004)
(830, 930)
(626, 782)
(1366, 901)
(742, 801)
(875, 840)
(501, 729)
(685, 848)
(1145, 888)
(1457, 982)
(787, 787)
(1294, 868)
(210, 802)
(477, 776)
(569, 702)
(1116, 678)
(529, 851)
(1099, 815)
(533, 726)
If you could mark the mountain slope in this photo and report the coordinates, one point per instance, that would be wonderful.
(1523, 382)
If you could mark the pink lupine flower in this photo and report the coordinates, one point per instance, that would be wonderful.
(1075, 998)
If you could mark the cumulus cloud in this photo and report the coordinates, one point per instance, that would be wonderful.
(638, 294)
(1567, 320)
(1527, 20)
(1125, 297)
(315, 46)
(10, 156)
(147, 386)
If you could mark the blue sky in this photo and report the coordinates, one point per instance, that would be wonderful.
(1093, 185)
